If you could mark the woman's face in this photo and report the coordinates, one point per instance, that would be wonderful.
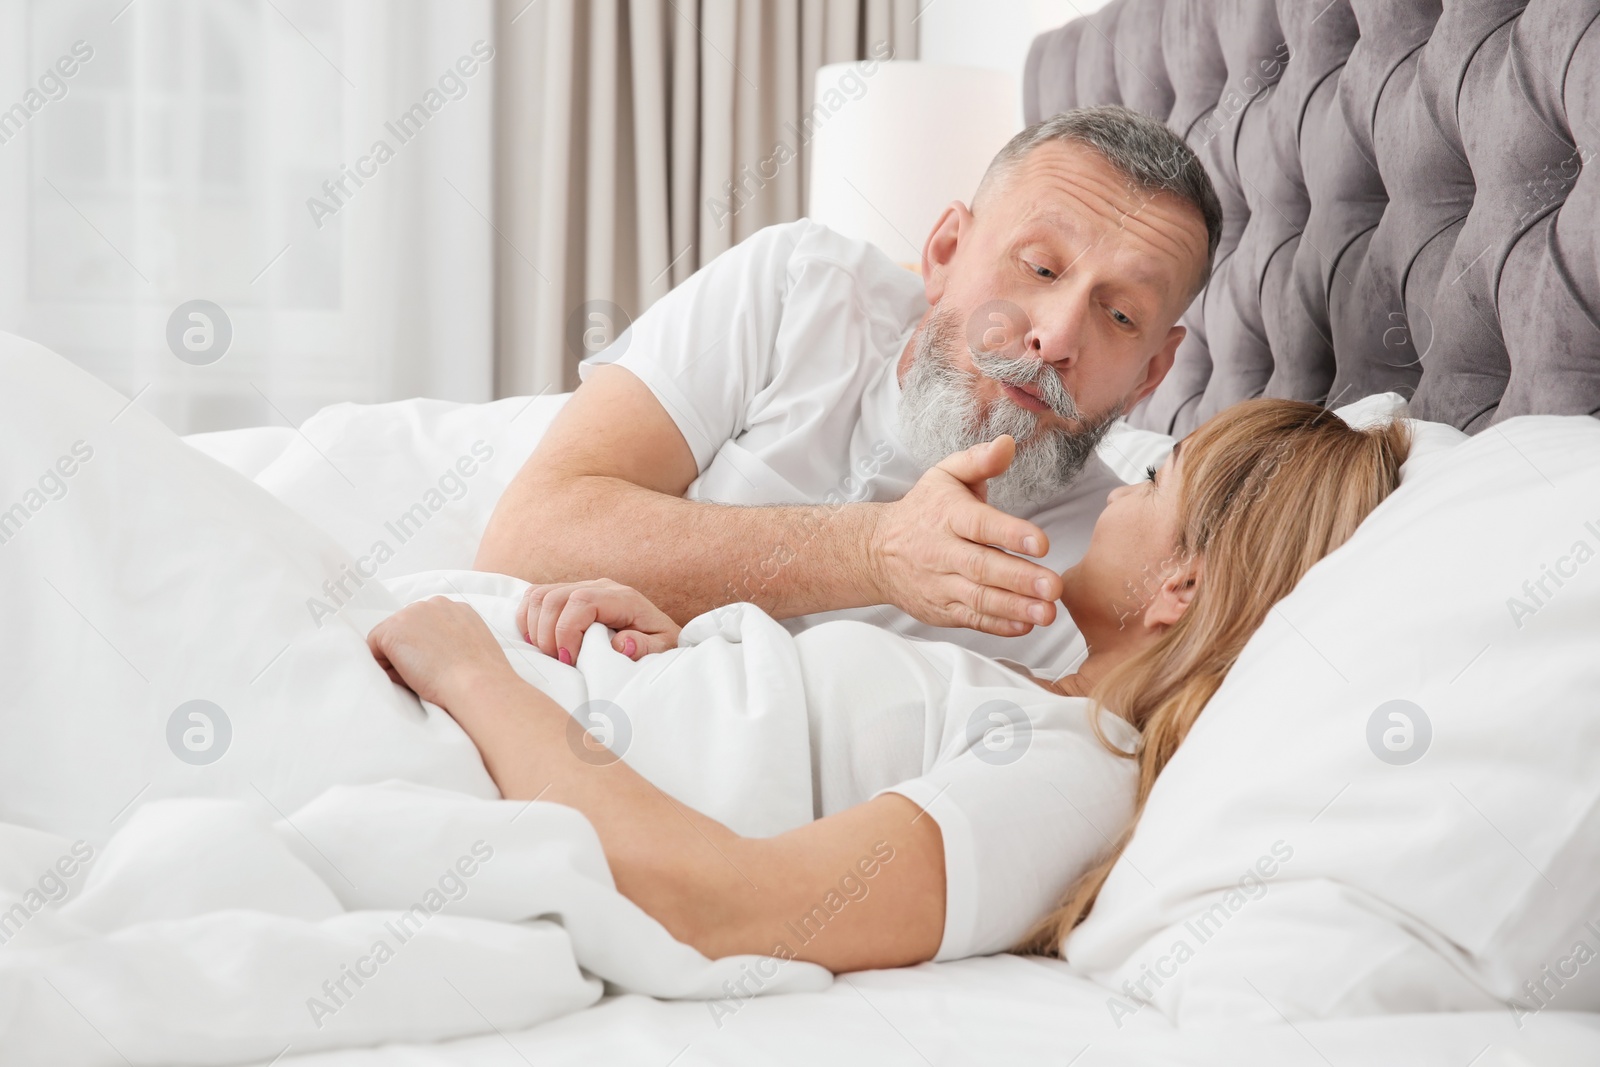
(1132, 551)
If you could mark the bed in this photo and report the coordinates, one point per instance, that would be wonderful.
(996, 1010)
(1360, 899)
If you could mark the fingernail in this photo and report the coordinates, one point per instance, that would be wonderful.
(528, 639)
(564, 656)
(628, 647)
(1018, 627)
(1037, 614)
(1042, 586)
(1030, 545)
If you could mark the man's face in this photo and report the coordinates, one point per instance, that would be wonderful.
(1054, 311)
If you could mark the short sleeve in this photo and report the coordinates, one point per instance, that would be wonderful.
(706, 349)
(1023, 821)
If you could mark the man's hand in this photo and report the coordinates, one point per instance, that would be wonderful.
(931, 554)
(554, 617)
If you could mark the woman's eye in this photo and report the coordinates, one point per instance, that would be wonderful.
(1121, 319)
(1150, 473)
(1042, 272)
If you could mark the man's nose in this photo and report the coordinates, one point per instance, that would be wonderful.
(1055, 337)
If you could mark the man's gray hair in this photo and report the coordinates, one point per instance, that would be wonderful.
(1143, 150)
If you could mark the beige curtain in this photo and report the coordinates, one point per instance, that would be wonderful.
(637, 139)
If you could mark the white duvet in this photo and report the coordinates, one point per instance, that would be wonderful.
(204, 854)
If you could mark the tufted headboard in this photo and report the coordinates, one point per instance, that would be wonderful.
(1405, 183)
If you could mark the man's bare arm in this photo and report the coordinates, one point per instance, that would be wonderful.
(602, 496)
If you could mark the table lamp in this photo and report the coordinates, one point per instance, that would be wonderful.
(894, 142)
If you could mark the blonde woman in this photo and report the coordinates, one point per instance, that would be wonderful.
(918, 841)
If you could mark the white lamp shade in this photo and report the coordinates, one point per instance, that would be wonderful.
(899, 142)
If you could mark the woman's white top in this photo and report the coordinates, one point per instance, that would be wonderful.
(766, 731)
(1026, 797)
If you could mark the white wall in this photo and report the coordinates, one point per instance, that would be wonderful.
(991, 33)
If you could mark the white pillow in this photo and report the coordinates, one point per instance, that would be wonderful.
(1370, 410)
(141, 575)
(1129, 452)
(1290, 859)
(402, 487)
(1428, 439)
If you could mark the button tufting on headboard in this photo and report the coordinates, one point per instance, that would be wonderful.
(1408, 199)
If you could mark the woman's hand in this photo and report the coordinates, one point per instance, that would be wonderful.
(554, 617)
(439, 647)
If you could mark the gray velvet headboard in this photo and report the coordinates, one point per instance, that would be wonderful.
(1407, 197)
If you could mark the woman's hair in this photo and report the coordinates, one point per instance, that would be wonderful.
(1266, 489)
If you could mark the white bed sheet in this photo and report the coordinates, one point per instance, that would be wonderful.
(996, 1010)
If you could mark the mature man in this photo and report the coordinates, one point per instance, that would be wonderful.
(803, 371)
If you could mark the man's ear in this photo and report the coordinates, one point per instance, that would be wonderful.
(940, 248)
(1159, 364)
(1175, 594)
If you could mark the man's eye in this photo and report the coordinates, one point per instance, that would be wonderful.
(1121, 319)
(1043, 272)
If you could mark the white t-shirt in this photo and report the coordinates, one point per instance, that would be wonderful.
(778, 363)
(1026, 797)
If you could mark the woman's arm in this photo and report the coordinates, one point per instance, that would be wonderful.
(860, 889)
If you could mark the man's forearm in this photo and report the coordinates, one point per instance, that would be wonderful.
(686, 556)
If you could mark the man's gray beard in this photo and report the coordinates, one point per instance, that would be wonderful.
(940, 414)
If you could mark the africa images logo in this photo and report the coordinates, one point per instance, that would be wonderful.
(1399, 732)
